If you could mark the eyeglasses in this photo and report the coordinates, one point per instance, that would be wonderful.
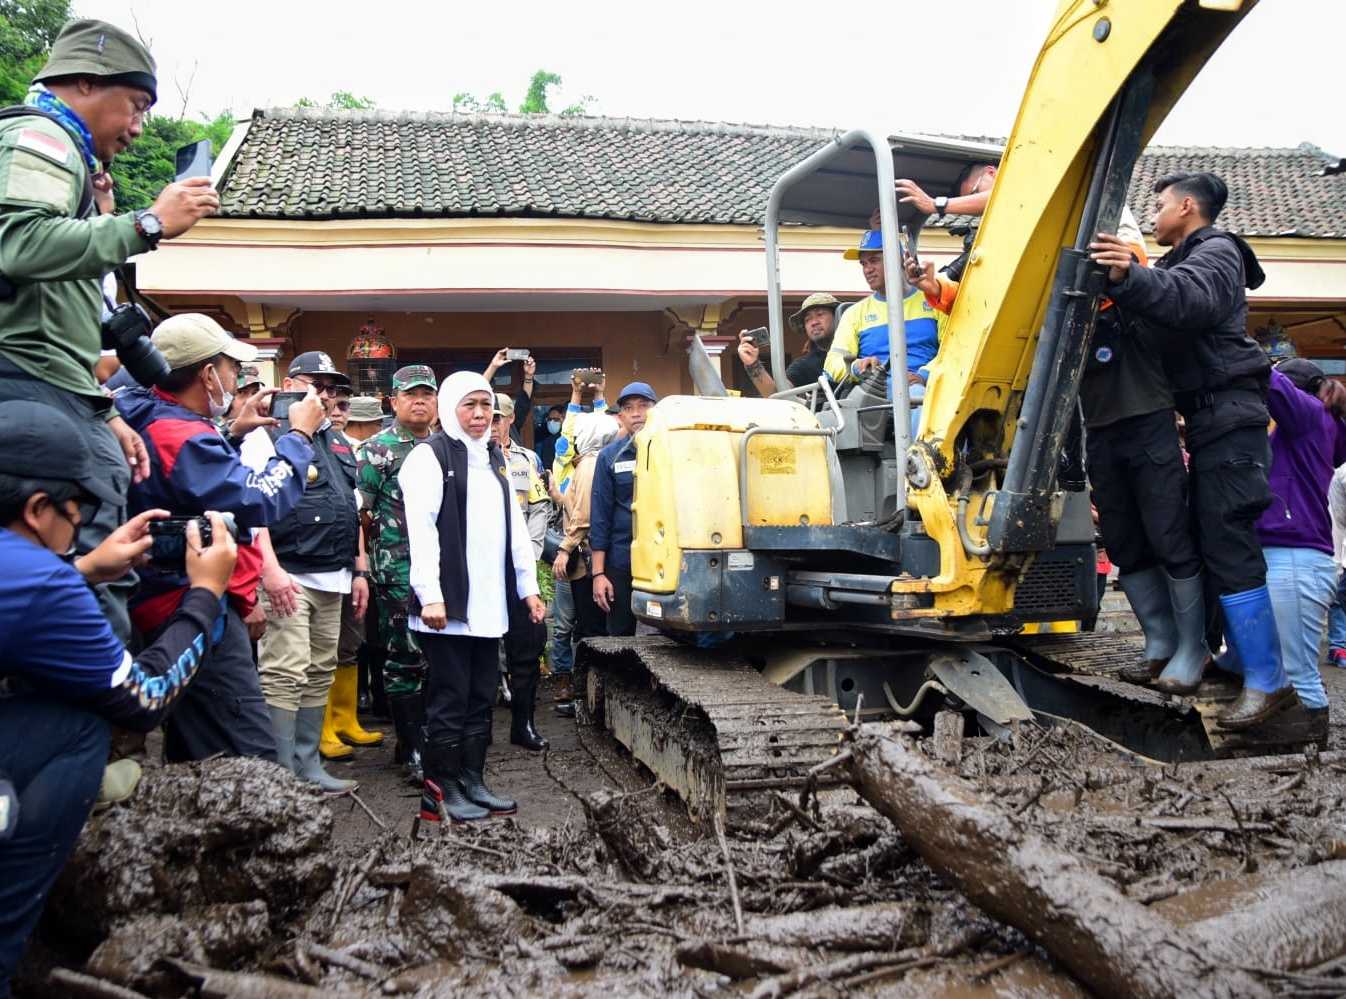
(342, 405)
(322, 388)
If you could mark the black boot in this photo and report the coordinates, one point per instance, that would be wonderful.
(521, 730)
(474, 768)
(408, 711)
(443, 791)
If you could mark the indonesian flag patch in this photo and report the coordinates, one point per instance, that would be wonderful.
(47, 145)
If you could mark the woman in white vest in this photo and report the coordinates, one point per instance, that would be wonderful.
(472, 568)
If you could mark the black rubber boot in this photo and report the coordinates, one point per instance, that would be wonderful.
(408, 711)
(521, 730)
(473, 772)
(442, 795)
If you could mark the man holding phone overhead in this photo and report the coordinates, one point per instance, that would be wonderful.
(60, 237)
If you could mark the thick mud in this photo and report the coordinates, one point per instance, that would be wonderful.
(231, 878)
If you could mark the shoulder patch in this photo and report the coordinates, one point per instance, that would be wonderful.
(34, 179)
(46, 145)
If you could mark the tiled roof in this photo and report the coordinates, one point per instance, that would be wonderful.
(374, 164)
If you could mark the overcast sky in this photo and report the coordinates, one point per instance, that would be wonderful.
(1276, 82)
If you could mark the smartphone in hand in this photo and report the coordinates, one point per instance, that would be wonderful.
(193, 160)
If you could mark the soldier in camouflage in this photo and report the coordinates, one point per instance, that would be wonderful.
(414, 408)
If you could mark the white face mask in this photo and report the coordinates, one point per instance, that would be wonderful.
(219, 409)
(553, 426)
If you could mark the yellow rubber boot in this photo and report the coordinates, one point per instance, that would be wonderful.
(329, 745)
(341, 704)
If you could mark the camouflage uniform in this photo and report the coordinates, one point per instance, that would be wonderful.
(381, 458)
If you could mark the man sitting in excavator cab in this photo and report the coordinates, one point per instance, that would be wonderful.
(860, 345)
(816, 319)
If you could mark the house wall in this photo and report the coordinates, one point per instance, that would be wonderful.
(632, 345)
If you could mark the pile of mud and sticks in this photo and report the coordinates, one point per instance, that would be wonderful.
(1043, 865)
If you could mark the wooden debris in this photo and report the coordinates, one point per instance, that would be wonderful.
(1112, 943)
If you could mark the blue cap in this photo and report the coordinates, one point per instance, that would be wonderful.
(871, 241)
(637, 389)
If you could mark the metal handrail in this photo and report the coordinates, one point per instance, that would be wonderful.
(894, 278)
(743, 456)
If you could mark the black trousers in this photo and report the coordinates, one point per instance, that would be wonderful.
(590, 621)
(222, 710)
(1140, 489)
(1229, 492)
(459, 685)
(621, 620)
(89, 414)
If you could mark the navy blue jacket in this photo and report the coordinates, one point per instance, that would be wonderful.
(610, 503)
(194, 469)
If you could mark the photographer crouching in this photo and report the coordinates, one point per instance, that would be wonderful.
(64, 676)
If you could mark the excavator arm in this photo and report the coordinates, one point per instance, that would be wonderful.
(1003, 389)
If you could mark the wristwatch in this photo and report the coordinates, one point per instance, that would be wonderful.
(150, 228)
(359, 574)
(941, 206)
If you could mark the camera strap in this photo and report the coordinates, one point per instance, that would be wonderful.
(133, 294)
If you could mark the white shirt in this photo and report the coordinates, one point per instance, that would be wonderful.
(1336, 505)
(422, 482)
(256, 450)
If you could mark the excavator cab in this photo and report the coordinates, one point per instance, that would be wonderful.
(773, 558)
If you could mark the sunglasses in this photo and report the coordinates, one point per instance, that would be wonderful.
(322, 388)
(342, 405)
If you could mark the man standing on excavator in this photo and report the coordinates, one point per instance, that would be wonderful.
(1194, 300)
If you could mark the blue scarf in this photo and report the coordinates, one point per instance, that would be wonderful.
(44, 100)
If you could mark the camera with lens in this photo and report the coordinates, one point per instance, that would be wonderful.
(127, 330)
(169, 547)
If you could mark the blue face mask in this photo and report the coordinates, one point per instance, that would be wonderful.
(553, 426)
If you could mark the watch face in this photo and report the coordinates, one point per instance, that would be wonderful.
(149, 222)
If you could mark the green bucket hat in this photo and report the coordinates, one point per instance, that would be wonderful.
(365, 409)
(413, 375)
(96, 48)
(819, 299)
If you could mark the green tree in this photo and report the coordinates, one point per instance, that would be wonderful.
(341, 100)
(534, 101)
(27, 29)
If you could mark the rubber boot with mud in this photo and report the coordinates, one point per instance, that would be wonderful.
(1187, 665)
(442, 793)
(522, 729)
(307, 733)
(341, 706)
(1147, 592)
(474, 777)
(282, 727)
(408, 711)
(329, 745)
(1250, 628)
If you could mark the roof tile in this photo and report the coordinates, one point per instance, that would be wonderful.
(339, 164)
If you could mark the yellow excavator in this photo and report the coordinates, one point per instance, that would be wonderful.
(805, 562)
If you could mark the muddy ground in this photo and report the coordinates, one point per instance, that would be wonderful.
(230, 878)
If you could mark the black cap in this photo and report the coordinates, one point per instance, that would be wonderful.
(1306, 375)
(41, 442)
(316, 362)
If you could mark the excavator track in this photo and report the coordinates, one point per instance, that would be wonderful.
(1095, 659)
(706, 723)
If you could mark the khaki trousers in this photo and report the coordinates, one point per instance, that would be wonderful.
(297, 655)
